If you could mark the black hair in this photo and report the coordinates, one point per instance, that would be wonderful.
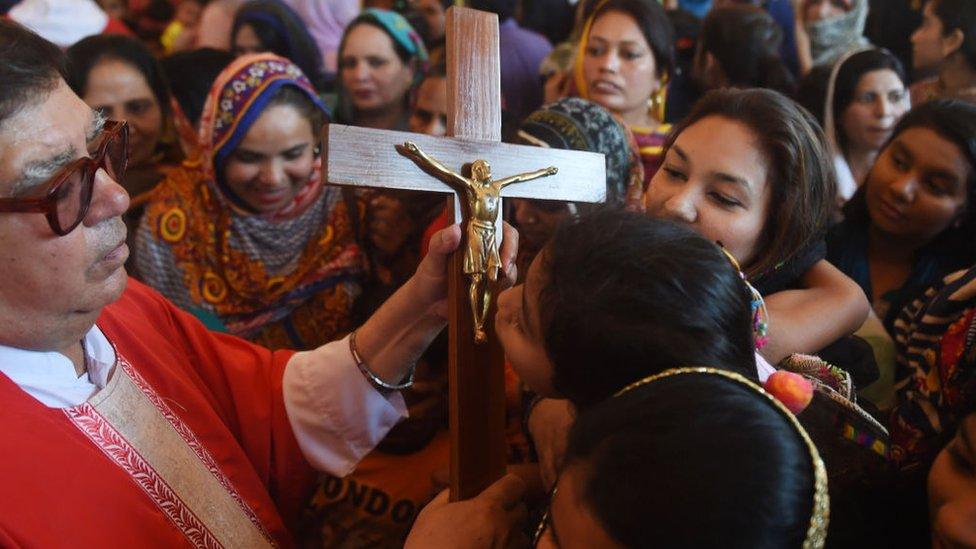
(550, 18)
(955, 121)
(745, 41)
(959, 15)
(282, 32)
(90, 51)
(654, 24)
(850, 74)
(693, 460)
(191, 74)
(626, 296)
(30, 68)
(811, 93)
(505, 9)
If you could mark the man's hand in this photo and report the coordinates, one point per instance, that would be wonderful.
(495, 519)
(431, 276)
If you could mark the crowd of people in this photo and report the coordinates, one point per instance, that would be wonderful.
(765, 337)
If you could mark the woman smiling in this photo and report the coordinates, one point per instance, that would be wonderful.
(911, 222)
(252, 242)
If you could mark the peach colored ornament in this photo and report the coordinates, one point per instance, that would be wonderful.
(793, 390)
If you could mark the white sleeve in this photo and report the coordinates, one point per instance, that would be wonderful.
(336, 414)
(763, 368)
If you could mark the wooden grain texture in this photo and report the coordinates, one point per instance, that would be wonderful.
(364, 156)
(474, 89)
(476, 376)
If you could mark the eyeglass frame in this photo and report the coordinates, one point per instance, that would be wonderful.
(48, 205)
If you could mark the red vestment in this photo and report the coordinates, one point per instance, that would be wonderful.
(61, 489)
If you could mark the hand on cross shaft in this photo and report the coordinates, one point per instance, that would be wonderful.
(493, 519)
(431, 275)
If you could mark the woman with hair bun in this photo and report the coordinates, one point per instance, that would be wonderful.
(739, 47)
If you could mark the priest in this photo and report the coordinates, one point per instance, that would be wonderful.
(123, 421)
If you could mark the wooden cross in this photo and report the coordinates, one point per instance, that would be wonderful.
(369, 157)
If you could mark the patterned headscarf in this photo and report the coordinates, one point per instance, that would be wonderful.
(199, 245)
(403, 35)
(577, 124)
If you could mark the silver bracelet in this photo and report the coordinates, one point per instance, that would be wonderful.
(373, 378)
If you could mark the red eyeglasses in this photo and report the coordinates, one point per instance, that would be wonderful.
(70, 190)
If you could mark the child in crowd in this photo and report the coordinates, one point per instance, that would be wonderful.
(616, 296)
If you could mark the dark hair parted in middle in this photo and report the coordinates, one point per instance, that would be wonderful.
(801, 177)
(849, 76)
(282, 32)
(955, 121)
(693, 461)
(85, 54)
(625, 296)
(654, 24)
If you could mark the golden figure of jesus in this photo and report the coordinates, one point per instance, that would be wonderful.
(483, 195)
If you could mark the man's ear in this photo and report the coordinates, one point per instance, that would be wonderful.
(952, 42)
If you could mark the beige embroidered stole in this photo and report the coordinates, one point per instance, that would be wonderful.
(132, 425)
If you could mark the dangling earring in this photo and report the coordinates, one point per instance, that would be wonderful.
(760, 314)
(656, 104)
(317, 151)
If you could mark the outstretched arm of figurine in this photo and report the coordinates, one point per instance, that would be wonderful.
(423, 159)
(528, 176)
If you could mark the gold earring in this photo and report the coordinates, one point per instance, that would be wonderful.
(656, 104)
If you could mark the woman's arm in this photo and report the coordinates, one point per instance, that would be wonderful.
(829, 307)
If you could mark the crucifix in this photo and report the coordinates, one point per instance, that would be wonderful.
(382, 158)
